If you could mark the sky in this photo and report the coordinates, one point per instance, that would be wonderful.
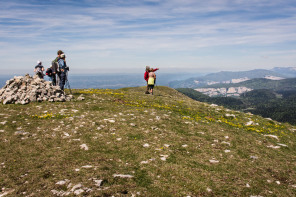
(123, 36)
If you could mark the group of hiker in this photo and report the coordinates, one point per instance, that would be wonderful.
(57, 72)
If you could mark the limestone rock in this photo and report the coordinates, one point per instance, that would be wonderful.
(26, 89)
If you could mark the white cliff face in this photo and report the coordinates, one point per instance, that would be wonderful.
(273, 77)
(240, 80)
(232, 91)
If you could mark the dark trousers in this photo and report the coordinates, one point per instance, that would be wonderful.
(54, 79)
(62, 76)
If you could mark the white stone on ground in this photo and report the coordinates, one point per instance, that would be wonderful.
(75, 187)
(253, 157)
(109, 120)
(87, 166)
(213, 161)
(84, 147)
(272, 136)
(98, 182)
(144, 162)
(274, 147)
(225, 143)
(284, 145)
(164, 157)
(227, 151)
(146, 145)
(123, 175)
(78, 192)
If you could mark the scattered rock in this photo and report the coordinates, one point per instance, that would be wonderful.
(21, 133)
(75, 187)
(272, 136)
(251, 123)
(98, 182)
(164, 157)
(81, 98)
(227, 151)
(146, 145)
(144, 162)
(230, 115)
(3, 123)
(253, 157)
(6, 192)
(63, 182)
(84, 147)
(123, 175)
(225, 143)
(284, 145)
(109, 120)
(213, 161)
(87, 166)
(274, 147)
(78, 192)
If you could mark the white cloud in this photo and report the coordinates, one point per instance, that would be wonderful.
(155, 29)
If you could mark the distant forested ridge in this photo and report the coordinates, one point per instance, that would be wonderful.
(278, 105)
(224, 77)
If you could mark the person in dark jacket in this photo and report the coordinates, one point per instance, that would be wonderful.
(55, 68)
(63, 71)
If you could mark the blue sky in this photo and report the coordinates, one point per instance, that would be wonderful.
(123, 36)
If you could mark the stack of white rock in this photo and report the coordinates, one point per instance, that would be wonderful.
(26, 89)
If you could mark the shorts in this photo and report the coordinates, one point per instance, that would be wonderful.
(150, 86)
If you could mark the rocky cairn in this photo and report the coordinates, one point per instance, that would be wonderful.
(26, 89)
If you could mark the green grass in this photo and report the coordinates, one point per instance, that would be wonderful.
(182, 136)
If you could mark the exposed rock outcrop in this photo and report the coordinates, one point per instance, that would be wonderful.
(26, 89)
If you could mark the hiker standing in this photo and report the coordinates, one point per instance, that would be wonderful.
(62, 74)
(39, 70)
(151, 80)
(55, 68)
(146, 76)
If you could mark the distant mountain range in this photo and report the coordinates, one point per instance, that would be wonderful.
(228, 77)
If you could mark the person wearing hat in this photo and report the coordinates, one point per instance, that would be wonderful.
(63, 71)
(39, 69)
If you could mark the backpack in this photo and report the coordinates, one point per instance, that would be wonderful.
(48, 72)
(55, 66)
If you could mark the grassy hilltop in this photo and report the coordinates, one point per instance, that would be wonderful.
(125, 143)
